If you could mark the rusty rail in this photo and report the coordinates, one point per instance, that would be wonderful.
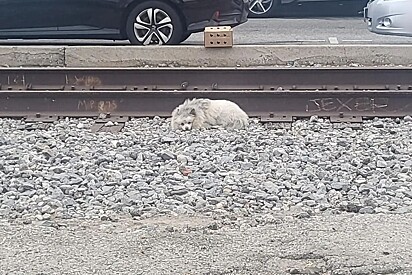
(141, 79)
(268, 105)
(273, 94)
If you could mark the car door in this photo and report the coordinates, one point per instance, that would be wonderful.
(28, 17)
(90, 16)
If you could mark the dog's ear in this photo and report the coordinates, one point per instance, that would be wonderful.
(193, 112)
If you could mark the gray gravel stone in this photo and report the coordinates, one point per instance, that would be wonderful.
(313, 165)
(337, 185)
(167, 155)
(381, 164)
(407, 118)
(367, 210)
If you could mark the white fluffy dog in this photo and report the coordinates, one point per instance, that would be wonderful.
(205, 113)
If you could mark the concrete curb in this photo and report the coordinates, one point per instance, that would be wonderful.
(32, 56)
(198, 56)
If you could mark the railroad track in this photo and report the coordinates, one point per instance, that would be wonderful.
(182, 79)
(272, 94)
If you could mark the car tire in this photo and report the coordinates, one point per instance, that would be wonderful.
(154, 23)
(262, 8)
(185, 36)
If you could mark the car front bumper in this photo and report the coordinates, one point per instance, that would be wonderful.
(391, 17)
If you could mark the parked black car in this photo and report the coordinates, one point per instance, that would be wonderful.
(269, 8)
(141, 21)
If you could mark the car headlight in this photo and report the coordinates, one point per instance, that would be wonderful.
(385, 22)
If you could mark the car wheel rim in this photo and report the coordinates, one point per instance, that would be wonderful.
(260, 6)
(153, 26)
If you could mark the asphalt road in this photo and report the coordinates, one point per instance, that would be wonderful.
(335, 245)
(307, 31)
(273, 31)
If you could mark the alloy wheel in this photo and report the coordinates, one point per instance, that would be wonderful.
(153, 26)
(260, 7)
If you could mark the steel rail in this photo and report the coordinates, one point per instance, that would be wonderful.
(276, 106)
(155, 79)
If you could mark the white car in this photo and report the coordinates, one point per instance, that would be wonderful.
(393, 17)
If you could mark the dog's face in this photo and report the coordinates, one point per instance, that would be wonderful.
(184, 123)
(183, 119)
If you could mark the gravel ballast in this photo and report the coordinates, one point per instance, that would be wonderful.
(315, 198)
(63, 170)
